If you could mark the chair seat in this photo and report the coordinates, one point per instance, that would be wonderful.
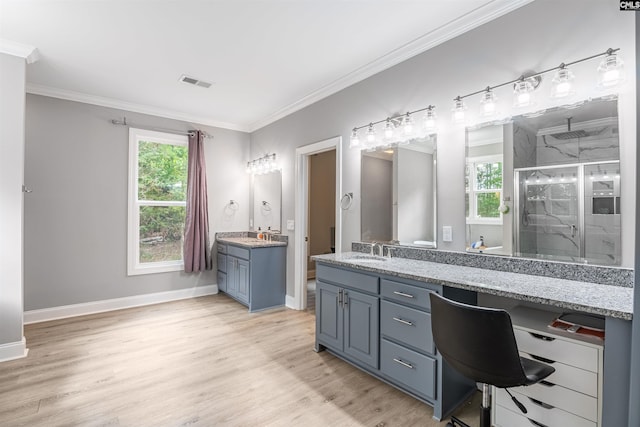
(535, 371)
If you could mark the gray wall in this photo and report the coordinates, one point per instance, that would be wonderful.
(537, 36)
(75, 240)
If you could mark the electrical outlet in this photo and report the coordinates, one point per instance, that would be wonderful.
(290, 225)
(447, 233)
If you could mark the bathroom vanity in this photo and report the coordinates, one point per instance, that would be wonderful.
(374, 312)
(251, 270)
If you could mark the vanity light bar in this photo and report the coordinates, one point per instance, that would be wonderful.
(396, 129)
(262, 165)
(610, 74)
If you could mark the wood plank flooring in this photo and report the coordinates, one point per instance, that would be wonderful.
(198, 362)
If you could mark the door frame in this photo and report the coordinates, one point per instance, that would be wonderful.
(302, 212)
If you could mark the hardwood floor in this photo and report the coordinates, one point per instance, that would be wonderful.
(198, 362)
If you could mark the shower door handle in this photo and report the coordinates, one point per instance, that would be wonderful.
(573, 230)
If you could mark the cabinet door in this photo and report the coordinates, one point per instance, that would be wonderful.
(328, 316)
(361, 331)
(222, 281)
(243, 280)
(232, 276)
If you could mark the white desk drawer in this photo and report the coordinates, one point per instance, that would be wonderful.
(552, 418)
(557, 349)
(562, 398)
(571, 377)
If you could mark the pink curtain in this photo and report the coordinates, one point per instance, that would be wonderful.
(197, 252)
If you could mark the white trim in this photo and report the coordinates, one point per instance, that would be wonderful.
(290, 302)
(65, 311)
(134, 266)
(13, 350)
(21, 50)
(299, 299)
(446, 32)
(102, 101)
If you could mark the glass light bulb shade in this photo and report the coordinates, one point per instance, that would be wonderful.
(388, 130)
(459, 111)
(354, 142)
(523, 91)
(611, 72)
(488, 103)
(430, 120)
(371, 135)
(407, 125)
(562, 83)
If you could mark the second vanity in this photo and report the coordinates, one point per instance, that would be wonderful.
(374, 313)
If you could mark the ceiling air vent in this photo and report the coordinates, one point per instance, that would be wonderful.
(192, 81)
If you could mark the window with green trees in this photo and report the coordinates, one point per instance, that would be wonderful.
(483, 182)
(157, 205)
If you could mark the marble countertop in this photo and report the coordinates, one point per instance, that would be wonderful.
(250, 242)
(606, 300)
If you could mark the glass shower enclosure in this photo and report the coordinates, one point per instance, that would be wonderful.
(569, 212)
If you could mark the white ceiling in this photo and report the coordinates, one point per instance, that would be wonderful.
(266, 58)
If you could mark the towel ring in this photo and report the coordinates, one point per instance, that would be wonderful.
(346, 201)
(231, 208)
(266, 206)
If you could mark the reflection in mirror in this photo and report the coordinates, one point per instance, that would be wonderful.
(398, 188)
(267, 200)
(566, 201)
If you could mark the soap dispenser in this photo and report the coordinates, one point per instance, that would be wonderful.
(260, 235)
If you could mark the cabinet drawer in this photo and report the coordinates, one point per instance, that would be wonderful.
(407, 325)
(572, 378)
(222, 262)
(557, 349)
(347, 278)
(238, 252)
(411, 369)
(407, 294)
(562, 398)
(553, 418)
(222, 248)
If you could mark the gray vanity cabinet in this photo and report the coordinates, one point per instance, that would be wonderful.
(346, 319)
(383, 325)
(254, 276)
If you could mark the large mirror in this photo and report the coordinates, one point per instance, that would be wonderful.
(547, 185)
(398, 190)
(267, 201)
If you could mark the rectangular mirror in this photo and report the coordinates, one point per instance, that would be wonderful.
(398, 190)
(267, 201)
(565, 204)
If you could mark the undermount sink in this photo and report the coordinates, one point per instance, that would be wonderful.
(366, 259)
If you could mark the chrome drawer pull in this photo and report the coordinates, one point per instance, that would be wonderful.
(546, 383)
(536, 423)
(542, 359)
(541, 404)
(403, 363)
(541, 337)
(402, 294)
(404, 322)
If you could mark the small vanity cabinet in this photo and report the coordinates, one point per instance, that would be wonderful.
(382, 324)
(252, 274)
(572, 395)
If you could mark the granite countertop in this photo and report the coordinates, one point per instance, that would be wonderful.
(607, 300)
(250, 242)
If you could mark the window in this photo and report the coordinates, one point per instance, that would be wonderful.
(157, 201)
(483, 185)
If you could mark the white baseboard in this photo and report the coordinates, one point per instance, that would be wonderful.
(53, 313)
(13, 350)
(290, 302)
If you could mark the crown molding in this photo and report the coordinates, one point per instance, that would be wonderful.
(446, 32)
(29, 53)
(69, 95)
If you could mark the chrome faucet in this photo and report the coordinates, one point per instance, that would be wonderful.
(379, 247)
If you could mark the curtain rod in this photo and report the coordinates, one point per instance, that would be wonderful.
(124, 122)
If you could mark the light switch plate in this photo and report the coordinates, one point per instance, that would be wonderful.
(447, 233)
(290, 225)
(250, 222)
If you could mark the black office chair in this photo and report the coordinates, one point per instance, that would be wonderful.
(479, 343)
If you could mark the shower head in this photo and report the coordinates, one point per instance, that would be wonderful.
(580, 133)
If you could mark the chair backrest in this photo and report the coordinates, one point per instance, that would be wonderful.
(476, 341)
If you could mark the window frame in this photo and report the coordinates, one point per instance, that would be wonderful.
(473, 191)
(134, 266)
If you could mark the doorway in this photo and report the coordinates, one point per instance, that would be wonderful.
(318, 184)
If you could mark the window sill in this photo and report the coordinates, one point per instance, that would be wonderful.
(156, 267)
